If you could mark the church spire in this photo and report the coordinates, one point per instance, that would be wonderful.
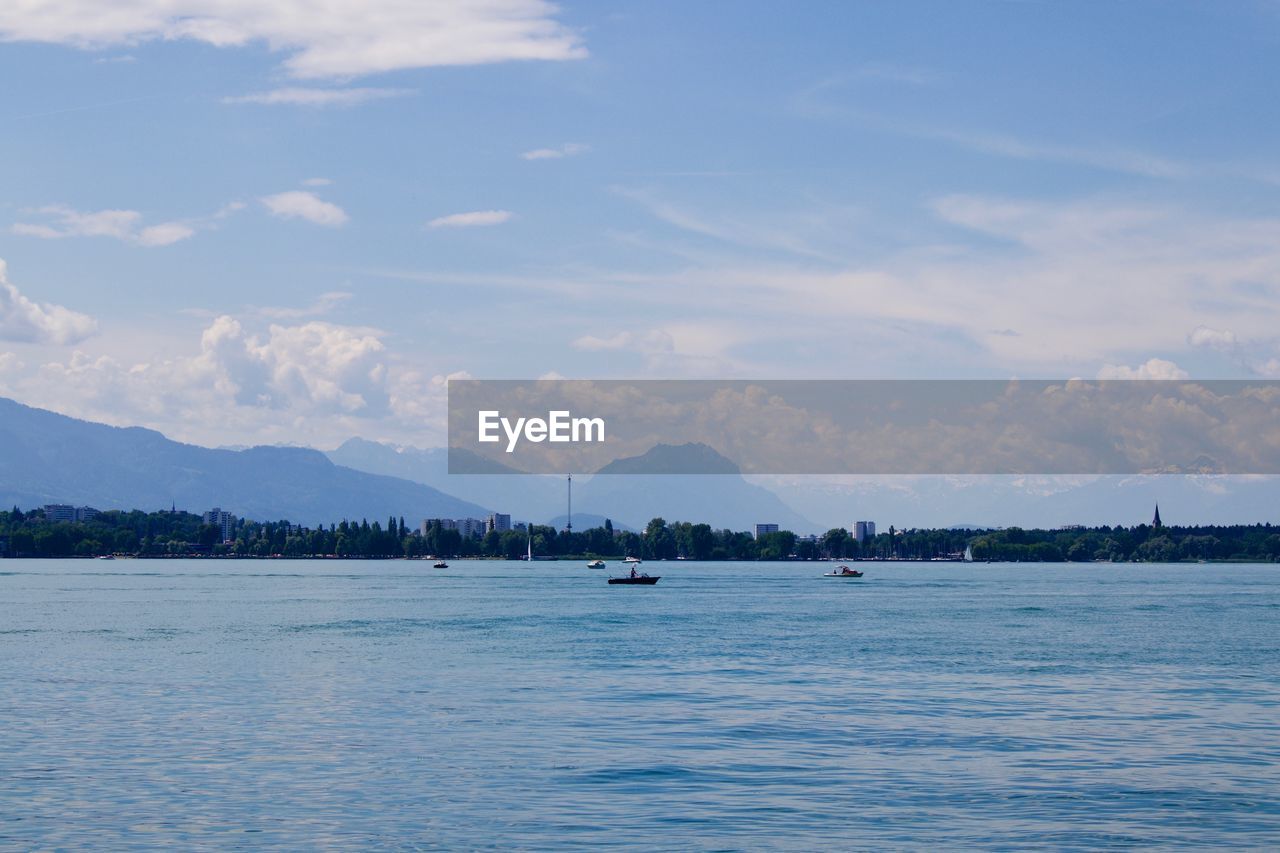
(1155, 522)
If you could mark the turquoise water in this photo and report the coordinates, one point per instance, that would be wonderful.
(387, 704)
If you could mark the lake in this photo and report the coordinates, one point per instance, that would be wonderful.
(389, 704)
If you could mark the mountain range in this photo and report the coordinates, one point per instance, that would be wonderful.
(51, 458)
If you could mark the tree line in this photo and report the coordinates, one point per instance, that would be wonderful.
(159, 534)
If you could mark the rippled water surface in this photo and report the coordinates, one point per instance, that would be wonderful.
(388, 704)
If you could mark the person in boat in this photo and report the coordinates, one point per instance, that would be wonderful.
(633, 572)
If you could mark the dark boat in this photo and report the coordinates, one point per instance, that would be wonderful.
(638, 579)
(440, 565)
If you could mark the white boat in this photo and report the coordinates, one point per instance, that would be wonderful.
(843, 572)
(968, 554)
(596, 564)
(634, 560)
(528, 549)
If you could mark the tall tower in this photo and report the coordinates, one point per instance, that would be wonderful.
(568, 523)
(1155, 522)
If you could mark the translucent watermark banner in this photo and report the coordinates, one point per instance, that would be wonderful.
(864, 426)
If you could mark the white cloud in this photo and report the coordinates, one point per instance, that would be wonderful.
(323, 40)
(317, 182)
(325, 304)
(1203, 336)
(653, 341)
(164, 234)
(297, 204)
(32, 322)
(318, 97)
(283, 383)
(471, 219)
(569, 149)
(1152, 368)
(121, 225)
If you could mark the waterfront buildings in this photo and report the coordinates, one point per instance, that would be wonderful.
(762, 529)
(67, 512)
(864, 531)
(224, 521)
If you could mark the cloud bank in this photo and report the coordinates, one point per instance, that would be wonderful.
(322, 40)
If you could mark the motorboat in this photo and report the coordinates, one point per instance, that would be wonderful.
(843, 572)
(596, 564)
(633, 560)
(643, 580)
(440, 565)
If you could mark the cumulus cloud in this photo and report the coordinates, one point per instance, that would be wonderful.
(569, 149)
(301, 97)
(23, 320)
(323, 40)
(299, 204)
(1152, 368)
(472, 219)
(1203, 336)
(284, 383)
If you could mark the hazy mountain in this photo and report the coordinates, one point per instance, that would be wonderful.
(526, 497)
(50, 458)
(1044, 501)
(724, 500)
(691, 458)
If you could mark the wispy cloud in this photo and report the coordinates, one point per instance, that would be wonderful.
(298, 204)
(317, 182)
(323, 40)
(818, 101)
(303, 97)
(124, 225)
(471, 219)
(569, 149)
(325, 304)
(914, 75)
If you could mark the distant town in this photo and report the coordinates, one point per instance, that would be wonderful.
(62, 530)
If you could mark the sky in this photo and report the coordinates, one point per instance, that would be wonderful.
(244, 223)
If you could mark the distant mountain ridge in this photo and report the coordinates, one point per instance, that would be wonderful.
(46, 457)
(721, 500)
(691, 458)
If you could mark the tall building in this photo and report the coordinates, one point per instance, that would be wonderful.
(86, 513)
(762, 529)
(224, 521)
(1155, 522)
(474, 528)
(864, 530)
(499, 522)
(59, 512)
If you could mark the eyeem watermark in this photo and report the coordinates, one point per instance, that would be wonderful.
(981, 426)
(558, 426)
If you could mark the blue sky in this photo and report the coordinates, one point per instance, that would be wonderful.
(244, 223)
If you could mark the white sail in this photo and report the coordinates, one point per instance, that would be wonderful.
(528, 554)
(968, 554)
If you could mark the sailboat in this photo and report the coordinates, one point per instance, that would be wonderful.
(528, 548)
(968, 554)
